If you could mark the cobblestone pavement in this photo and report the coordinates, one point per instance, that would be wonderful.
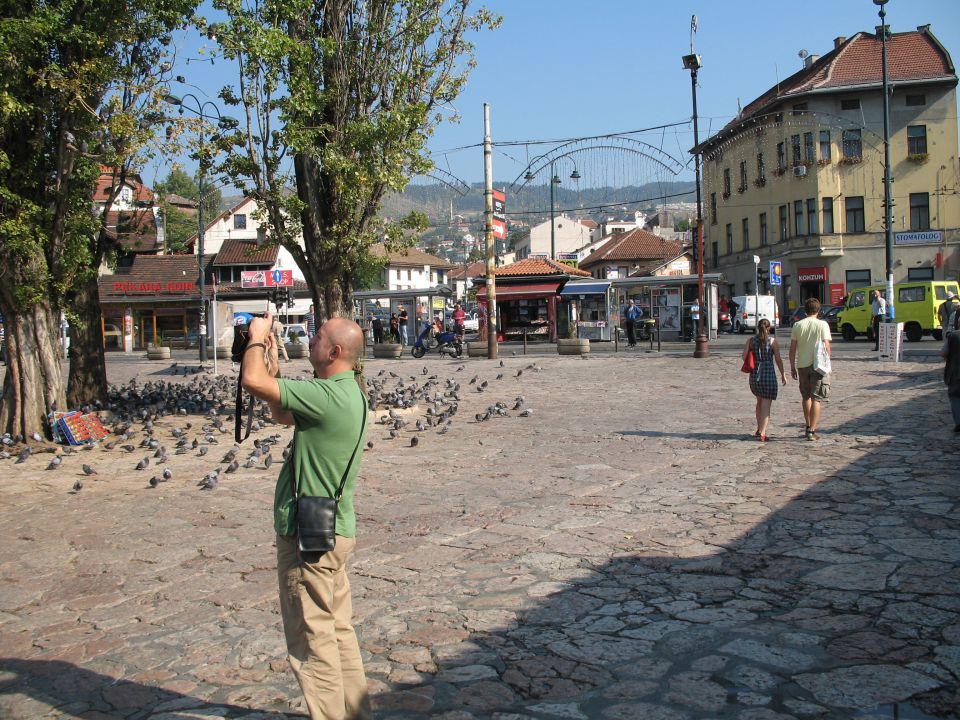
(624, 552)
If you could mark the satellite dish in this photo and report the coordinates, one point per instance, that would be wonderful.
(803, 54)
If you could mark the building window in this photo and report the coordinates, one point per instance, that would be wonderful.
(239, 222)
(713, 208)
(799, 109)
(409, 274)
(828, 215)
(853, 207)
(763, 229)
(858, 278)
(917, 139)
(852, 144)
(743, 176)
(798, 218)
(761, 170)
(726, 182)
(745, 229)
(919, 211)
(808, 155)
(919, 274)
(850, 104)
(781, 157)
(913, 100)
(398, 273)
(812, 216)
(795, 149)
(825, 146)
(729, 238)
(784, 234)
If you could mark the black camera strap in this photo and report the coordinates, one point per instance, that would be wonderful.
(238, 410)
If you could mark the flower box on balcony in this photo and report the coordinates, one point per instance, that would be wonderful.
(779, 171)
(918, 158)
(760, 182)
(823, 162)
(851, 160)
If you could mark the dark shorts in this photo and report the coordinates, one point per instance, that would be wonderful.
(813, 385)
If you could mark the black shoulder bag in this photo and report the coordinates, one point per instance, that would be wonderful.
(317, 516)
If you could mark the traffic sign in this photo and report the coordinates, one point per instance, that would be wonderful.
(776, 272)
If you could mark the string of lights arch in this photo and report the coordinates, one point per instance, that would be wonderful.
(460, 187)
(583, 147)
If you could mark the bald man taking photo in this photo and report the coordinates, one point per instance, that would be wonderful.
(329, 415)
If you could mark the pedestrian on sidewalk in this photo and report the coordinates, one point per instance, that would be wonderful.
(278, 333)
(631, 314)
(878, 313)
(951, 377)
(763, 379)
(394, 328)
(814, 387)
(329, 416)
(402, 319)
(311, 319)
(694, 319)
(377, 327)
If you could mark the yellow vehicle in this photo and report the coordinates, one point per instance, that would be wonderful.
(915, 305)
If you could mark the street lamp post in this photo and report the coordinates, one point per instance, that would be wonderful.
(692, 63)
(200, 111)
(887, 199)
(554, 180)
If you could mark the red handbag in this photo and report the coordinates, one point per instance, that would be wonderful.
(749, 363)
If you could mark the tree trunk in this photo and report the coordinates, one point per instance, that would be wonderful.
(88, 368)
(33, 384)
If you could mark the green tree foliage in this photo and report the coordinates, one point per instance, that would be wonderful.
(178, 227)
(349, 92)
(179, 183)
(75, 94)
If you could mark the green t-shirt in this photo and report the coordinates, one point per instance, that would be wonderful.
(806, 332)
(328, 417)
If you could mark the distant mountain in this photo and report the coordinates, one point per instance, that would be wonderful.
(439, 201)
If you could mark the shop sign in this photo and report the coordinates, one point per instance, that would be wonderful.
(918, 238)
(837, 291)
(812, 274)
(131, 288)
(266, 278)
(571, 259)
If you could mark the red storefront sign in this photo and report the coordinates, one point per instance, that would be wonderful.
(499, 215)
(178, 288)
(811, 274)
(837, 291)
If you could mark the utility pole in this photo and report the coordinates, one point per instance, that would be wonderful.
(488, 214)
(887, 197)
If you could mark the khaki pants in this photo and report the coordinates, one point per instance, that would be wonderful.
(317, 613)
(282, 349)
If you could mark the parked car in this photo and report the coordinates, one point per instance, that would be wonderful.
(295, 330)
(915, 305)
(827, 312)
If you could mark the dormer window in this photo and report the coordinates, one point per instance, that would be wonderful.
(126, 194)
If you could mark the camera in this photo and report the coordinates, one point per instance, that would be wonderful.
(241, 338)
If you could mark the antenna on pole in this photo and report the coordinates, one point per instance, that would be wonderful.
(693, 30)
(803, 57)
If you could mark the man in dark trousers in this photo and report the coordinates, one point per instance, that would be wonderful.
(631, 314)
(329, 415)
(402, 319)
(377, 327)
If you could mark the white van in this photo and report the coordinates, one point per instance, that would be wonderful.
(745, 317)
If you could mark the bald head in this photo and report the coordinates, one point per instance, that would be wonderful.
(348, 335)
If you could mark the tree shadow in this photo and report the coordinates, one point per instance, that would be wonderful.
(841, 603)
(76, 692)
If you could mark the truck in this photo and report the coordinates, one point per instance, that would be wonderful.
(915, 305)
(745, 317)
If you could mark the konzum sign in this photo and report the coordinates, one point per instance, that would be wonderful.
(806, 275)
(178, 287)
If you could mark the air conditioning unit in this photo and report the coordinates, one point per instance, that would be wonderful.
(800, 171)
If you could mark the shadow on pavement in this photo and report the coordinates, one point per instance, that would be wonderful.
(843, 602)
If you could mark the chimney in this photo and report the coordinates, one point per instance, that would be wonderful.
(838, 41)
(880, 29)
(810, 60)
(923, 28)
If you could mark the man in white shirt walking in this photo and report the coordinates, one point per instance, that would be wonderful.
(878, 313)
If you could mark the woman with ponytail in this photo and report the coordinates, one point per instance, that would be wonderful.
(763, 379)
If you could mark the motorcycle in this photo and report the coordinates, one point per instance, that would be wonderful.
(446, 342)
(724, 322)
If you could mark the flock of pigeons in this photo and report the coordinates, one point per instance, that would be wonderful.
(201, 412)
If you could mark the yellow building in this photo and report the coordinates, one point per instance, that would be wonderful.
(797, 176)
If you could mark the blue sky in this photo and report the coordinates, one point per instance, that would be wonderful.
(564, 69)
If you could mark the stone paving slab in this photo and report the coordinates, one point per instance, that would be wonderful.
(625, 552)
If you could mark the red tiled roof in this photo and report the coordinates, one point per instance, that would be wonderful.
(141, 193)
(913, 55)
(534, 267)
(246, 252)
(587, 222)
(135, 231)
(409, 257)
(475, 269)
(633, 246)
